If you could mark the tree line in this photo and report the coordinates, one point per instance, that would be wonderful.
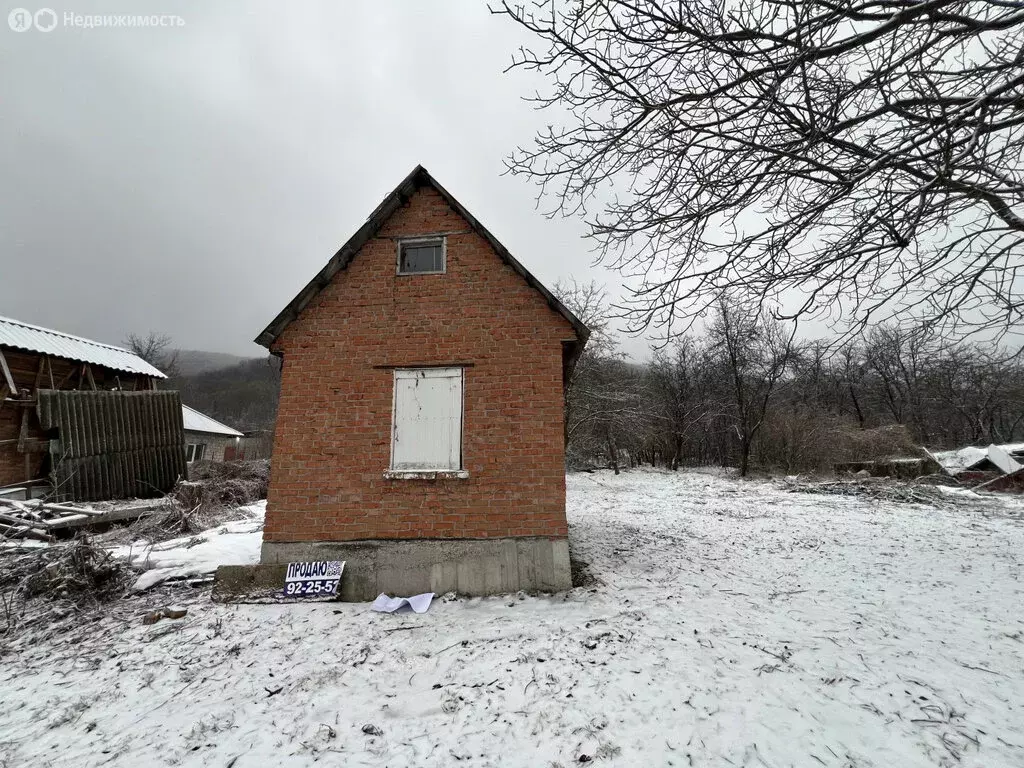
(243, 395)
(748, 391)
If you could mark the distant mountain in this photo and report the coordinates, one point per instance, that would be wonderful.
(195, 361)
(242, 395)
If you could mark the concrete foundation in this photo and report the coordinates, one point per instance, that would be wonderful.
(410, 567)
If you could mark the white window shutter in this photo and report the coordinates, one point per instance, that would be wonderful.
(427, 419)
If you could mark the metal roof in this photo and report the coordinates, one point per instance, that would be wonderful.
(1007, 458)
(1004, 457)
(19, 335)
(200, 422)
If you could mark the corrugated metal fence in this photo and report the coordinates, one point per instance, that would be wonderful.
(113, 445)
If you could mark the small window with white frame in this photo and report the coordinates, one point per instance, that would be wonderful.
(195, 452)
(422, 256)
(426, 434)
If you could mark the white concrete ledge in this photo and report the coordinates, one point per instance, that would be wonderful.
(426, 474)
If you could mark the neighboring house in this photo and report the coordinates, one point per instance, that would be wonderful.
(419, 435)
(84, 416)
(208, 439)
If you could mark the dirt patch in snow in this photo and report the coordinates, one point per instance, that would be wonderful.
(582, 576)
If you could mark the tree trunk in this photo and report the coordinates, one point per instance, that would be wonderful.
(613, 455)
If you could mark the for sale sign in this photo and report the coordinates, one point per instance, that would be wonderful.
(318, 579)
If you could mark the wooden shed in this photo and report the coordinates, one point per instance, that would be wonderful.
(84, 418)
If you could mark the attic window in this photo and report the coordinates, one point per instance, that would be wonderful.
(422, 256)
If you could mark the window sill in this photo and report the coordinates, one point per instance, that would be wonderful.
(426, 474)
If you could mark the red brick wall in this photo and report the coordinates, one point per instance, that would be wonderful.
(332, 441)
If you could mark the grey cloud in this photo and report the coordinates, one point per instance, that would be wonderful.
(191, 179)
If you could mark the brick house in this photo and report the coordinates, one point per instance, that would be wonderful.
(419, 434)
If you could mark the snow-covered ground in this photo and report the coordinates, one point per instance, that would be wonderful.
(233, 543)
(733, 624)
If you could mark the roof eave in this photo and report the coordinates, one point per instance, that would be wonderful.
(155, 373)
(209, 432)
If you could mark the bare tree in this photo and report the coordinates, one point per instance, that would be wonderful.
(685, 384)
(155, 349)
(861, 159)
(602, 398)
(851, 374)
(758, 350)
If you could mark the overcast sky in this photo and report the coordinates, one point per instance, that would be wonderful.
(190, 180)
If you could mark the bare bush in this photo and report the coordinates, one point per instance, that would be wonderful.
(210, 497)
(76, 572)
(804, 439)
(226, 483)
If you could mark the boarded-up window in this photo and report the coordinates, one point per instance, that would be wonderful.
(427, 420)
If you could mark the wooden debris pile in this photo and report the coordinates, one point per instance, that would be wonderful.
(211, 497)
(878, 488)
(224, 483)
(45, 521)
(206, 500)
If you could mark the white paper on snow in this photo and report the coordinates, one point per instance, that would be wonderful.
(419, 603)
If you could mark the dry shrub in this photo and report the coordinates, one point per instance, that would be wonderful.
(210, 497)
(806, 440)
(230, 483)
(77, 570)
(890, 442)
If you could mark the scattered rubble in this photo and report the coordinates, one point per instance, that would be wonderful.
(43, 578)
(994, 468)
(173, 612)
(878, 488)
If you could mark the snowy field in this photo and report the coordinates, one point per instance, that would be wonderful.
(730, 624)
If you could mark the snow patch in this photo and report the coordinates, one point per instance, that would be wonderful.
(234, 543)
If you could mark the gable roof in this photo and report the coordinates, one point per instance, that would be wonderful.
(194, 421)
(34, 338)
(395, 199)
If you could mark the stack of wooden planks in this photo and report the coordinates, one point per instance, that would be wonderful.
(43, 521)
